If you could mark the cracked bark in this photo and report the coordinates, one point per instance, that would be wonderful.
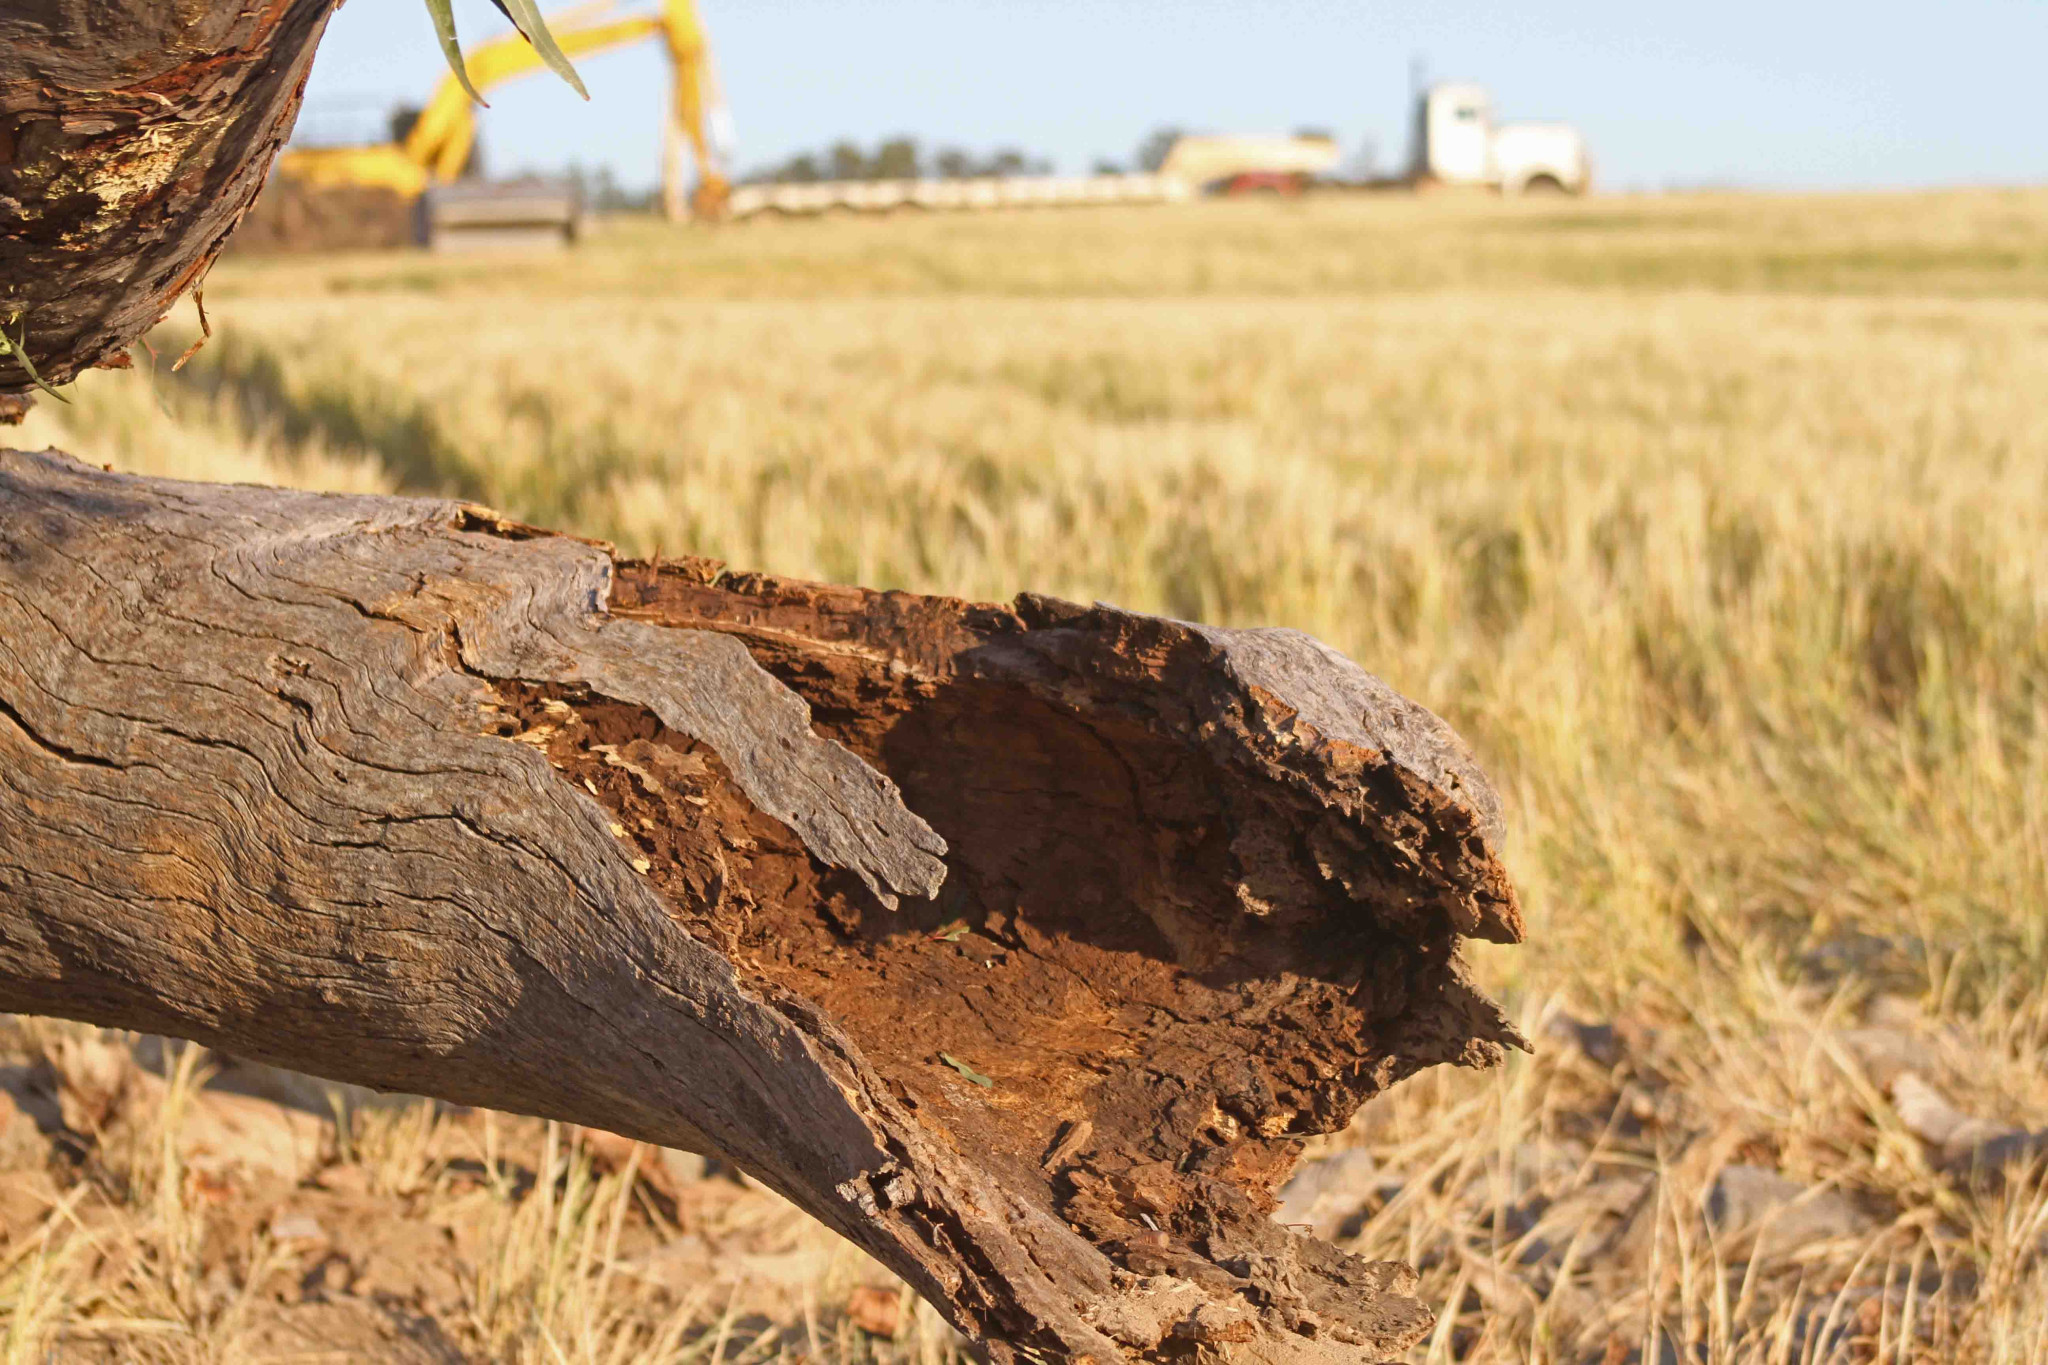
(395, 792)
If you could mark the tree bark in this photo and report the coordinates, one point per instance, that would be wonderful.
(1021, 945)
(133, 135)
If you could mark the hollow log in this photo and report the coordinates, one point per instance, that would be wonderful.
(133, 136)
(1022, 945)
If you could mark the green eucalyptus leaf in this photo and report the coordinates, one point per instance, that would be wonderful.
(526, 16)
(969, 1072)
(19, 350)
(443, 12)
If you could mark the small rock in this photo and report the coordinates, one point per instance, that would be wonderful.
(1600, 1043)
(26, 1197)
(1928, 1115)
(1884, 1053)
(875, 1310)
(1325, 1193)
(682, 1168)
(29, 1101)
(330, 1277)
(1901, 1012)
(1993, 1156)
(348, 1179)
(1781, 1214)
(1963, 1142)
(1592, 1217)
(297, 1227)
(94, 1073)
(678, 1266)
(1872, 957)
(224, 1132)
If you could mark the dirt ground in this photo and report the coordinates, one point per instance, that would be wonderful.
(157, 1203)
(160, 1205)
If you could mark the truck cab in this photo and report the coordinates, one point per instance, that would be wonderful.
(1459, 143)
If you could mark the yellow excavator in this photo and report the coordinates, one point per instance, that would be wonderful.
(434, 151)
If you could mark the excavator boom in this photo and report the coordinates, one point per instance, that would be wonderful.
(693, 97)
(437, 148)
(445, 134)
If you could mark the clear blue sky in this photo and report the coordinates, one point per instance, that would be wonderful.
(1781, 94)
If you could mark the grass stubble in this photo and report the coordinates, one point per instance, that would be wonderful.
(1717, 524)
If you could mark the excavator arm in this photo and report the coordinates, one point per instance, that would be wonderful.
(438, 145)
(445, 134)
(694, 94)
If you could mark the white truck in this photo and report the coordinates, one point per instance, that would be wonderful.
(1457, 142)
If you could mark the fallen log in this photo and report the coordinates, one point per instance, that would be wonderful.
(1022, 945)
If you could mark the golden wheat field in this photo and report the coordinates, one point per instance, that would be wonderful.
(1717, 524)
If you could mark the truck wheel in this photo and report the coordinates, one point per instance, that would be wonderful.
(1544, 183)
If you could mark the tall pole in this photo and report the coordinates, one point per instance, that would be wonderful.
(675, 198)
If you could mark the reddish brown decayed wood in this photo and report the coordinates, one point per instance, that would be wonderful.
(374, 788)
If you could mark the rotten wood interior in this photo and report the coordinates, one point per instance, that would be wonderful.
(1154, 1022)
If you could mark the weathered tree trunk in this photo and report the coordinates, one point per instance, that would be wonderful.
(1021, 945)
(133, 134)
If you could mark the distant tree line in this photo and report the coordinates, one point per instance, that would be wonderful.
(602, 192)
(900, 158)
(1151, 153)
(896, 158)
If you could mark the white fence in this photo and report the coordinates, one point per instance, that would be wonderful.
(880, 196)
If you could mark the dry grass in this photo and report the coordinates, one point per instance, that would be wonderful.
(405, 1234)
(1719, 525)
